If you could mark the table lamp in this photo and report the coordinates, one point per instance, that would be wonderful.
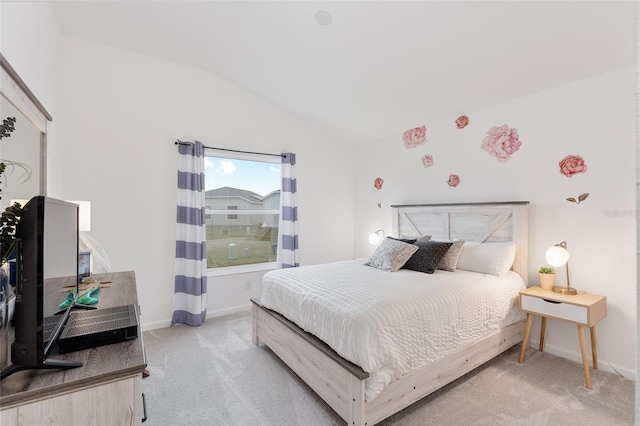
(558, 256)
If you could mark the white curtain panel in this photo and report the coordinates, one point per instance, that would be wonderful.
(288, 255)
(190, 278)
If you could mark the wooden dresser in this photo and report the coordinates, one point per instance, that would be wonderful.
(106, 390)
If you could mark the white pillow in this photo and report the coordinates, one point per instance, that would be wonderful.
(487, 258)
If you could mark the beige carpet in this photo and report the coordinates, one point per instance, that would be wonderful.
(214, 375)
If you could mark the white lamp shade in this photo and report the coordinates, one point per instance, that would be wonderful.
(374, 238)
(557, 256)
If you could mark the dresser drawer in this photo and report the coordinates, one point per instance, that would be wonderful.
(565, 311)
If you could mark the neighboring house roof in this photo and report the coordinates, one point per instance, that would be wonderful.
(229, 192)
(277, 191)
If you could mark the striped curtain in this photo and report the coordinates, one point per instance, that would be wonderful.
(288, 256)
(190, 279)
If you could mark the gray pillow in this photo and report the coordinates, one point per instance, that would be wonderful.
(391, 255)
(450, 260)
(427, 257)
(404, 240)
(413, 239)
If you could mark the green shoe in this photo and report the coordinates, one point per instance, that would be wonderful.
(69, 300)
(90, 297)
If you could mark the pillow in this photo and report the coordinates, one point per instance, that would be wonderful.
(404, 240)
(391, 254)
(487, 258)
(450, 260)
(428, 256)
(412, 240)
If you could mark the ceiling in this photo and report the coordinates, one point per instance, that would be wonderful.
(378, 68)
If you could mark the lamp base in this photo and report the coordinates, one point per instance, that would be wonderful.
(565, 290)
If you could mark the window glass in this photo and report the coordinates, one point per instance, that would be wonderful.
(251, 188)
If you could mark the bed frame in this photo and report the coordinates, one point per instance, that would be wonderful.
(340, 383)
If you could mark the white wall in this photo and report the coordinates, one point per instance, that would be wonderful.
(593, 118)
(29, 41)
(120, 115)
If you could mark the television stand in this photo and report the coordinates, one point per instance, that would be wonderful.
(109, 382)
(48, 364)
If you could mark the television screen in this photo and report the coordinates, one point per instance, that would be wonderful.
(60, 239)
(47, 237)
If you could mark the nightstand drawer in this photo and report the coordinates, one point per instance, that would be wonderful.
(565, 311)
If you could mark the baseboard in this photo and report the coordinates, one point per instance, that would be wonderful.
(148, 326)
(228, 311)
(603, 363)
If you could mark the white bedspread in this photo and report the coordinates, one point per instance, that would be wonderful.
(392, 323)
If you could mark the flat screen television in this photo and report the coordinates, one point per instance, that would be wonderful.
(47, 247)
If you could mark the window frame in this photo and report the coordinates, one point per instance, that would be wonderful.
(252, 267)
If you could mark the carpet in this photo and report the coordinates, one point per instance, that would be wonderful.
(214, 375)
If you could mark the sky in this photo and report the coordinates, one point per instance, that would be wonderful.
(261, 178)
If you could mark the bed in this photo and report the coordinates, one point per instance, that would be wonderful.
(367, 387)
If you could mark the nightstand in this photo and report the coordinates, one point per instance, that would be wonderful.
(582, 309)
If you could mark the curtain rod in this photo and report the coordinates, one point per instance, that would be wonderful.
(179, 142)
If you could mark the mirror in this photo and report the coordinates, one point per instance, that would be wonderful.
(22, 180)
(27, 144)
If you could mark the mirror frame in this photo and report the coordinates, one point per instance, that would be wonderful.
(14, 90)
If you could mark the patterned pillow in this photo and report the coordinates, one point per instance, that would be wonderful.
(450, 260)
(428, 256)
(391, 254)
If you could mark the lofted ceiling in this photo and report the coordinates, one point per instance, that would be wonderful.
(378, 68)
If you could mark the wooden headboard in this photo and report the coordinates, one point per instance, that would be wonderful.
(480, 222)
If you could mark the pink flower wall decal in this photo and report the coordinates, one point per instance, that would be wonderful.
(414, 137)
(571, 165)
(454, 180)
(378, 183)
(427, 160)
(462, 121)
(501, 142)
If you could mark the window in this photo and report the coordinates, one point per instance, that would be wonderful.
(250, 186)
(232, 216)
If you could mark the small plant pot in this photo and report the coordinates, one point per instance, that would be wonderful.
(547, 281)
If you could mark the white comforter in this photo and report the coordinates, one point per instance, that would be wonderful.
(392, 323)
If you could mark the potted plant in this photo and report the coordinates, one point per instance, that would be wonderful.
(9, 219)
(11, 215)
(547, 277)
